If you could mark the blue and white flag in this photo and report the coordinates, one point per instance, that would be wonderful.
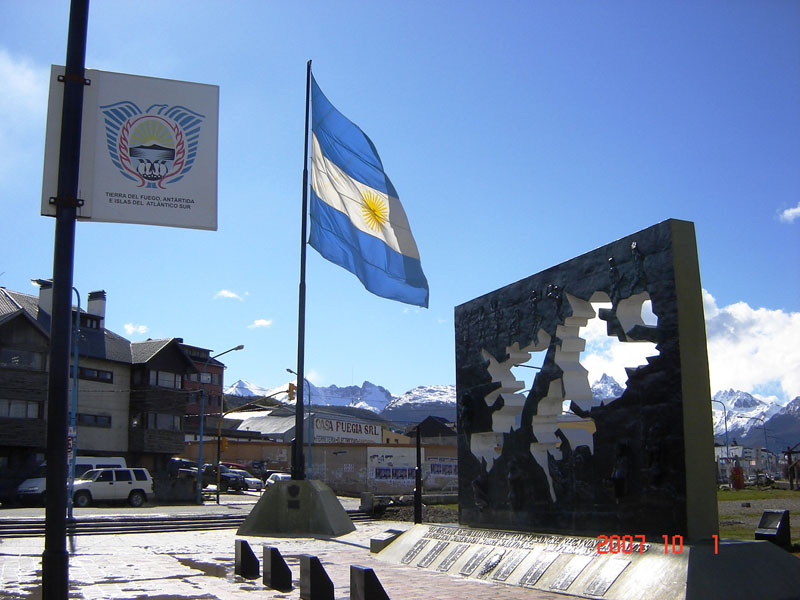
(357, 220)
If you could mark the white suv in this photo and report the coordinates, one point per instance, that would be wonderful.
(131, 485)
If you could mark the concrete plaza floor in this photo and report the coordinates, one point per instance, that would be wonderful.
(200, 564)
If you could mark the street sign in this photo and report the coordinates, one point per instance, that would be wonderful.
(148, 150)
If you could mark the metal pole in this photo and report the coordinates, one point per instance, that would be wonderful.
(418, 481)
(199, 498)
(73, 432)
(310, 429)
(202, 426)
(298, 468)
(55, 559)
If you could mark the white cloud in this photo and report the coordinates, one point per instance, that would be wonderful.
(749, 349)
(228, 294)
(790, 214)
(753, 348)
(260, 323)
(130, 328)
(23, 106)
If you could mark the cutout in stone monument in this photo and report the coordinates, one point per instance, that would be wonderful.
(536, 451)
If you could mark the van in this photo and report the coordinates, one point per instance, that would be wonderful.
(133, 486)
(32, 490)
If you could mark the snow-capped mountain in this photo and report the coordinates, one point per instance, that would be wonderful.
(368, 396)
(606, 388)
(421, 402)
(743, 411)
(755, 422)
(245, 388)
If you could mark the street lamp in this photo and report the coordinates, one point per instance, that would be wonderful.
(766, 451)
(73, 435)
(310, 417)
(727, 446)
(202, 421)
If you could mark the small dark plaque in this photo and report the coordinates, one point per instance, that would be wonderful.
(476, 559)
(294, 504)
(432, 554)
(543, 562)
(606, 577)
(510, 563)
(451, 558)
(570, 572)
(415, 549)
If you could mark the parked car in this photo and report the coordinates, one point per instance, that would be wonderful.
(276, 477)
(227, 479)
(181, 467)
(122, 485)
(253, 483)
(32, 490)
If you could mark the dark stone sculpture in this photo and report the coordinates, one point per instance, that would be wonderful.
(315, 584)
(246, 563)
(277, 574)
(365, 585)
(613, 467)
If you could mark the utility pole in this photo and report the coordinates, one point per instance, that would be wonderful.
(55, 559)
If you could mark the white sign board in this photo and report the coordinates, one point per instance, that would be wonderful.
(340, 431)
(148, 150)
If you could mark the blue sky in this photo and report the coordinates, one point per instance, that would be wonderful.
(517, 134)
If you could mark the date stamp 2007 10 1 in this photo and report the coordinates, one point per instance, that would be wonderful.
(629, 544)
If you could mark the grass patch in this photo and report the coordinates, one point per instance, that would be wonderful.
(754, 493)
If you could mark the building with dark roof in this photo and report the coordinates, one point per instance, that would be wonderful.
(133, 397)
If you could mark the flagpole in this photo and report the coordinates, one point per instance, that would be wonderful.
(298, 463)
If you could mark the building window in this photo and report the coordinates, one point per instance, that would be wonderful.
(164, 421)
(21, 359)
(89, 322)
(94, 420)
(94, 374)
(165, 379)
(19, 409)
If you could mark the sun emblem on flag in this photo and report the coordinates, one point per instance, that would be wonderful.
(374, 210)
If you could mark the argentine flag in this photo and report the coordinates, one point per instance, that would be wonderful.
(357, 220)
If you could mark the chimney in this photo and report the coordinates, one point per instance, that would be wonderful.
(97, 305)
(45, 294)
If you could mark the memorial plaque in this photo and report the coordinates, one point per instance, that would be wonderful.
(570, 572)
(606, 577)
(534, 574)
(451, 558)
(432, 554)
(475, 560)
(416, 549)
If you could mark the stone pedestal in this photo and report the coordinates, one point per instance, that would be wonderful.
(297, 508)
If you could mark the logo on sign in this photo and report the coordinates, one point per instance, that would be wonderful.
(153, 148)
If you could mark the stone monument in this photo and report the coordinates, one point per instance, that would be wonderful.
(554, 460)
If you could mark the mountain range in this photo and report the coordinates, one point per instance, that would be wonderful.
(747, 417)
